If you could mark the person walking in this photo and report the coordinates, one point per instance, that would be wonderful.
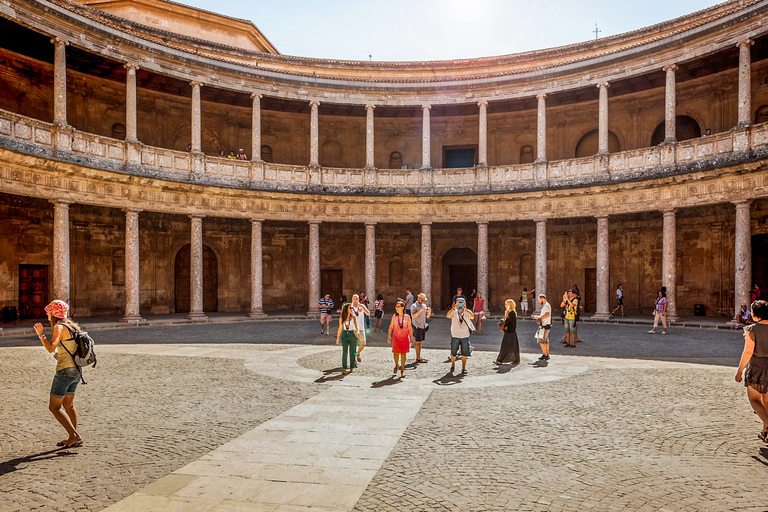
(510, 345)
(619, 301)
(460, 317)
(524, 300)
(544, 319)
(361, 312)
(326, 310)
(419, 313)
(67, 375)
(347, 334)
(459, 295)
(570, 303)
(378, 311)
(753, 367)
(478, 308)
(660, 312)
(400, 336)
(409, 300)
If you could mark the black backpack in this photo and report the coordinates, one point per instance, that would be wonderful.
(84, 354)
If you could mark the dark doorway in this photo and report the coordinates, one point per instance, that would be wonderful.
(686, 128)
(760, 262)
(457, 157)
(33, 291)
(332, 281)
(589, 297)
(459, 270)
(210, 279)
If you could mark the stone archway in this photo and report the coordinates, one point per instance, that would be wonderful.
(181, 271)
(459, 269)
(686, 128)
(589, 143)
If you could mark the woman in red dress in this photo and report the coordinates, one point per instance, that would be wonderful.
(400, 336)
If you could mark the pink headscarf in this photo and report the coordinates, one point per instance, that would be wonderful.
(57, 308)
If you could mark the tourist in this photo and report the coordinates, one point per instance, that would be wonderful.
(231, 155)
(478, 309)
(544, 319)
(360, 311)
(222, 154)
(348, 334)
(67, 375)
(365, 302)
(754, 364)
(579, 307)
(660, 311)
(378, 311)
(419, 313)
(755, 293)
(744, 317)
(472, 297)
(524, 300)
(619, 301)
(707, 132)
(326, 309)
(510, 346)
(400, 336)
(459, 295)
(460, 329)
(241, 154)
(409, 300)
(571, 304)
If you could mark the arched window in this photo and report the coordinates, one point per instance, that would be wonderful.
(118, 131)
(589, 144)
(266, 153)
(686, 128)
(266, 270)
(526, 154)
(395, 160)
(761, 116)
(396, 271)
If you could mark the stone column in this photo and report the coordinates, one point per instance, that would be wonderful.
(257, 302)
(426, 145)
(369, 154)
(314, 267)
(670, 105)
(132, 282)
(314, 140)
(541, 129)
(61, 250)
(426, 261)
(602, 288)
(59, 81)
(603, 119)
(370, 260)
(745, 83)
(130, 102)
(482, 259)
(256, 127)
(669, 261)
(541, 261)
(196, 118)
(196, 270)
(482, 136)
(743, 256)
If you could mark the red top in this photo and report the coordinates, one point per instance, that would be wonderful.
(478, 305)
(401, 343)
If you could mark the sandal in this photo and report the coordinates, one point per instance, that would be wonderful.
(402, 375)
(76, 444)
(499, 363)
(394, 372)
(763, 436)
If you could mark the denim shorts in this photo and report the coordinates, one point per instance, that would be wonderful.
(570, 325)
(455, 342)
(65, 382)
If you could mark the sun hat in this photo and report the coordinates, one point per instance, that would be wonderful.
(57, 308)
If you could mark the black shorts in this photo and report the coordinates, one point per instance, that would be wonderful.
(620, 301)
(418, 334)
(379, 314)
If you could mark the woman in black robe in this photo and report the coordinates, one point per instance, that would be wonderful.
(510, 347)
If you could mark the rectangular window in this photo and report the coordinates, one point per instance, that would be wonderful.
(455, 157)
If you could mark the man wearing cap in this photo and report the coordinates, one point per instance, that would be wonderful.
(419, 313)
(460, 315)
(544, 318)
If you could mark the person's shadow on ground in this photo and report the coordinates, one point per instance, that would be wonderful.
(506, 368)
(331, 375)
(540, 363)
(391, 381)
(449, 379)
(10, 466)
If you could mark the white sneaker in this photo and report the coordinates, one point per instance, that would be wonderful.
(651, 332)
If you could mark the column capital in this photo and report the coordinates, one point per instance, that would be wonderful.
(370, 224)
(482, 223)
(670, 67)
(131, 210)
(195, 84)
(742, 203)
(131, 66)
(257, 221)
(541, 96)
(426, 224)
(603, 84)
(58, 41)
(194, 216)
(314, 222)
(370, 107)
(602, 216)
(482, 103)
(540, 220)
(61, 203)
(314, 103)
(745, 42)
(256, 95)
(426, 106)
(668, 211)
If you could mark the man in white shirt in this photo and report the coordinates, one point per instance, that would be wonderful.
(545, 319)
(359, 310)
(460, 315)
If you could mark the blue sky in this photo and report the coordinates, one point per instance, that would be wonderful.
(441, 29)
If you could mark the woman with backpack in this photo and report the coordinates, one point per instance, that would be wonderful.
(67, 375)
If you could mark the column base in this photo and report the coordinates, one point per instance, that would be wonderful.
(425, 168)
(133, 319)
(672, 319)
(313, 313)
(600, 316)
(257, 313)
(197, 316)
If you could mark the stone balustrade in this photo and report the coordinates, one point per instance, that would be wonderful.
(26, 135)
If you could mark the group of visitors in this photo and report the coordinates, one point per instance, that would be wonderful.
(232, 156)
(744, 317)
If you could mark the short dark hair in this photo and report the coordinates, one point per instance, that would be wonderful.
(760, 309)
(408, 289)
(380, 296)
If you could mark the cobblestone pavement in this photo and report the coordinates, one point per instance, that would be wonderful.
(140, 418)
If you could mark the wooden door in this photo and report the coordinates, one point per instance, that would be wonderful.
(210, 280)
(332, 282)
(590, 290)
(33, 291)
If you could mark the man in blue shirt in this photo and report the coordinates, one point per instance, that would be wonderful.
(326, 308)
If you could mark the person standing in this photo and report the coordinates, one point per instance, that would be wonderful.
(544, 319)
(524, 300)
(400, 336)
(347, 333)
(619, 301)
(67, 375)
(459, 295)
(754, 364)
(409, 300)
(460, 317)
(326, 309)
(365, 302)
(660, 312)
(478, 308)
(419, 313)
(577, 318)
(360, 311)
(571, 306)
(378, 309)
(510, 345)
